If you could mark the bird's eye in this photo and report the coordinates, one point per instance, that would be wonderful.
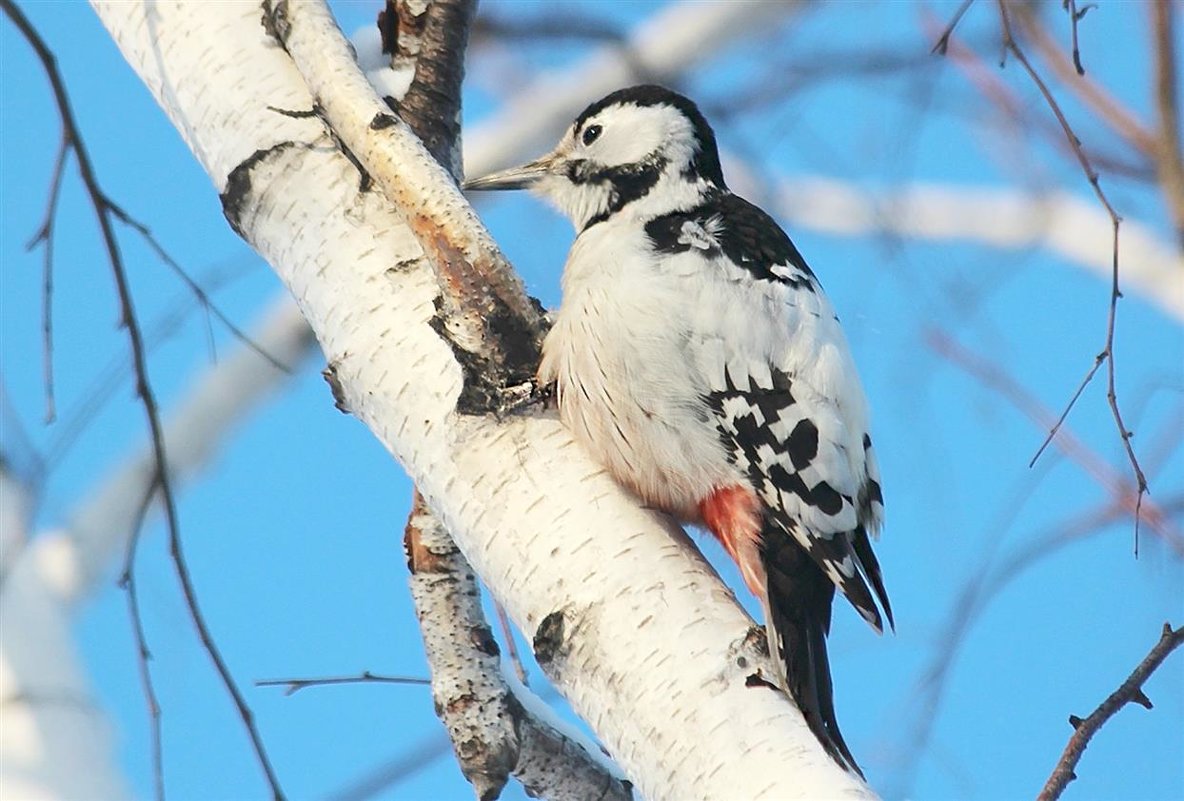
(591, 134)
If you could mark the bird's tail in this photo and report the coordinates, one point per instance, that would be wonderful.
(798, 620)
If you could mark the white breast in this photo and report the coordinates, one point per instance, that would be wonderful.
(622, 352)
(641, 340)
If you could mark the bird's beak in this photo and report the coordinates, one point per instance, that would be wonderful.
(516, 177)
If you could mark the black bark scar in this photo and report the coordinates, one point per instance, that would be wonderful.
(238, 184)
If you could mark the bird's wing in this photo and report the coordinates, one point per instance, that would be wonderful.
(783, 389)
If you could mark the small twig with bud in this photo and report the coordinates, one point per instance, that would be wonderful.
(1131, 691)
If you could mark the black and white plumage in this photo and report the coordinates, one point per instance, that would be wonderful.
(696, 356)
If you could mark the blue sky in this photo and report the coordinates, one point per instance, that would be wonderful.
(294, 534)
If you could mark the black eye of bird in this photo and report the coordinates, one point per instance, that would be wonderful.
(591, 134)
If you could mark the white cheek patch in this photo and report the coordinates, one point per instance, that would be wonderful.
(631, 133)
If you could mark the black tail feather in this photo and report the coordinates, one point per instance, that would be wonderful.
(871, 569)
(800, 599)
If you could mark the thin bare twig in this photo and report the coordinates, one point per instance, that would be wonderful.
(127, 581)
(511, 644)
(1131, 691)
(1106, 107)
(1075, 16)
(44, 236)
(970, 606)
(1107, 353)
(365, 677)
(112, 376)
(994, 574)
(202, 296)
(1014, 110)
(104, 212)
(996, 379)
(394, 770)
(943, 41)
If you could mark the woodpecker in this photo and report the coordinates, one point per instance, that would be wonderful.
(696, 357)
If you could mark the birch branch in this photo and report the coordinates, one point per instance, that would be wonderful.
(1130, 691)
(633, 625)
(493, 734)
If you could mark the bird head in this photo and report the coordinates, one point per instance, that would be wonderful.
(641, 146)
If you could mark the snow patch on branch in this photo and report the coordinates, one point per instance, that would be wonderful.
(387, 80)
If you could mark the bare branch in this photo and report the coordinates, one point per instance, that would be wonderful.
(394, 770)
(294, 686)
(127, 581)
(1107, 354)
(971, 604)
(503, 621)
(1075, 16)
(194, 287)
(288, 339)
(1107, 108)
(44, 582)
(1120, 491)
(104, 211)
(1130, 691)
(943, 41)
(44, 237)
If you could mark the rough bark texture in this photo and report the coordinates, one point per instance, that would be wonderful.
(494, 736)
(470, 697)
(494, 329)
(434, 36)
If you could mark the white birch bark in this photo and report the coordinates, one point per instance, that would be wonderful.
(55, 742)
(628, 619)
(490, 721)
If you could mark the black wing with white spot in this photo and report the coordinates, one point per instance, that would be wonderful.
(771, 437)
(788, 403)
(728, 225)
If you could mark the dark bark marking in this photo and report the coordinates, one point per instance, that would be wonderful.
(383, 121)
(508, 354)
(432, 105)
(275, 21)
(238, 185)
(388, 27)
(549, 638)
(330, 376)
(484, 641)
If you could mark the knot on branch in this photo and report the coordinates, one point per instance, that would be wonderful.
(549, 641)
